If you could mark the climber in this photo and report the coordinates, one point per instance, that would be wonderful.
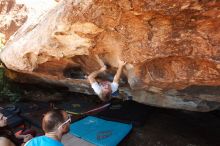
(104, 89)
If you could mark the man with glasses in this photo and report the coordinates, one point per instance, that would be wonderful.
(55, 124)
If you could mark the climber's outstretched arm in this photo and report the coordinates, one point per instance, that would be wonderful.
(101, 63)
(119, 71)
(94, 74)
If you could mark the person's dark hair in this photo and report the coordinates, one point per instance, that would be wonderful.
(52, 119)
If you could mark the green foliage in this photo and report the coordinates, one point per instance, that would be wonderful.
(7, 90)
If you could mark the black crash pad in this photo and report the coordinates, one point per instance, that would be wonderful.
(12, 114)
(128, 111)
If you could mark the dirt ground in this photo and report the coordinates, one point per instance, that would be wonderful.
(163, 127)
(166, 127)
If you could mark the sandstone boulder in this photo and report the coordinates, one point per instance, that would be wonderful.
(12, 16)
(172, 49)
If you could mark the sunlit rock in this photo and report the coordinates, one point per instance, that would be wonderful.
(172, 49)
(12, 16)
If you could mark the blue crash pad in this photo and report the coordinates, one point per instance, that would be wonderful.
(100, 132)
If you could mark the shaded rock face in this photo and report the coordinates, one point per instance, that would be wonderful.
(172, 49)
(12, 16)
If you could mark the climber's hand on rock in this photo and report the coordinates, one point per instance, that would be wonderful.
(103, 68)
(121, 63)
